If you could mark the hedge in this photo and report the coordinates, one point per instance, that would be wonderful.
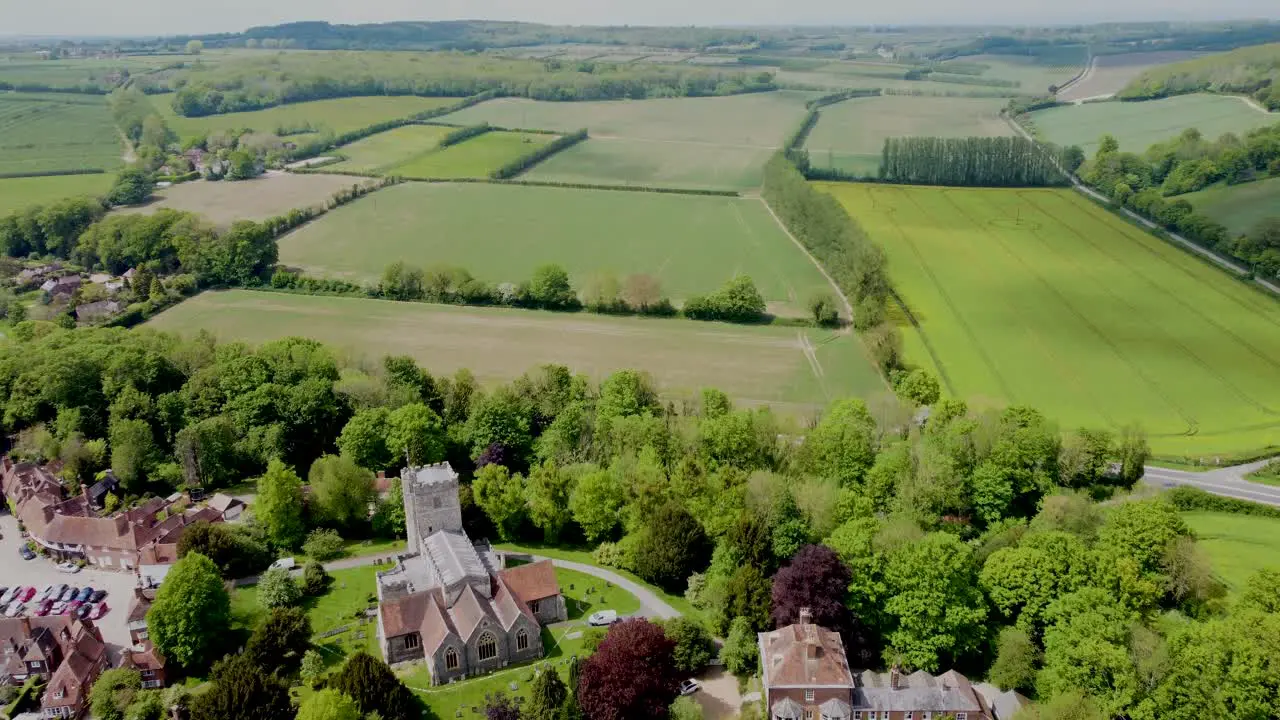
(841, 96)
(51, 173)
(464, 133)
(176, 179)
(519, 165)
(1188, 498)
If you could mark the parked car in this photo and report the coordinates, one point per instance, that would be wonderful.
(284, 564)
(45, 607)
(99, 610)
(58, 590)
(9, 595)
(85, 593)
(97, 596)
(45, 593)
(72, 607)
(83, 611)
(689, 687)
(69, 594)
(603, 617)
(68, 567)
(26, 594)
(25, 552)
(15, 610)
(59, 608)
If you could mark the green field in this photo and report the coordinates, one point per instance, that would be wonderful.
(41, 132)
(850, 135)
(1139, 125)
(1238, 545)
(703, 143)
(389, 148)
(474, 158)
(18, 193)
(1033, 74)
(692, 244)
(1039, 297)
(1238, 207)
(795, 370)
(337, 116)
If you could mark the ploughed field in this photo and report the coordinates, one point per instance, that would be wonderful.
(502, 233)
(224, 202)
(797, 370)
(47, 132)
(850, 135)
(1039, 297)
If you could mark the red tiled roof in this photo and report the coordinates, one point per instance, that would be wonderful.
(534, 581)
(799, 655)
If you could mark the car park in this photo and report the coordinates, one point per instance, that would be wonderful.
(85, 593)
(689, 687)
(603, 617)
(59, 608)
(97, 596)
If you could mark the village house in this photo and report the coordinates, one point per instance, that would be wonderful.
(29, 276)
(71, 528)
(448, 601)
(142, 654)
(805, 675)
(65, 285)
(98, 311)
(230, 507)
(66, 652)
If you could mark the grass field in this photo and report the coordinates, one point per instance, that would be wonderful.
(850, 135)
(266, 196)
(1139, 125)
(692, 244)
(1039, 297)
(42, 132)
(1034, 75)
(1110, 73)
(80, 72)
(389, 148)
(338, 115)
(791, 369)
(704, 143)
(474, 158)
(1238, 545)
(18, 193)
(1239, 207)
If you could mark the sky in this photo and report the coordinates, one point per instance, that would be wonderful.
(169, 17)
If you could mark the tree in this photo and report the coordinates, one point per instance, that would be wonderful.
(547, 696)
(373, 686)
(1022, 581)
(277, 589)
(550, 288)
(240, 690)
(312, 668)
(499, 419)
(243, 165)
(501, 707)
(546, 493)
(749, 595)
(918, 386)
(685, 708)
(672, 547)
(314, 579)
(1016, 658)
(1086, 648)
(501, 496)
(133, 452)
(416, 433)
(641, 292)
(1262, 591)
(280, 640)
(340, 490)
(328, 705)
(741, 648)
(364, 439)
(934, 602)
(632, 676)
(1071, 705)
(596, 502)
(323, 544)
(113, 692)
(279, 505)
(235, 554)
(133, 186)
(842, 446)
(694, 647)
(824, 310)
(388, 516)
(191, 612)
(815, 579)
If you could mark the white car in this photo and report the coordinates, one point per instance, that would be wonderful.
(689, 687)
(45, 593)
(284, 564)
(68, 567)
(602, 618)
(15, 610)
(9, 595)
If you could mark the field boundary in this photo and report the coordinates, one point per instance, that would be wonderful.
(533, 183)
(51, 173)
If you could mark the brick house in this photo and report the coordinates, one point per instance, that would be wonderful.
(447, 601)
(805, 675)
(67, 652)
(142, 654)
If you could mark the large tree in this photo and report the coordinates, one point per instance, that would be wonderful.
(1087, 648)
(191, 612)
(340, 490)
(280, 641)
(547, 492)
(741, 651)
(328, 705)
(364, 439)
(373, 686)
(235, 553)
(595, 503)
(1021, 581)
(501, 496)
(694, 646)
(240, 690)
(843, 444)
(934, 603)
(547, 696)
(415, 434)
(672, 547)
(277, 589)
(815, 579)
(113, 692)
(278, 505)
(631, 676)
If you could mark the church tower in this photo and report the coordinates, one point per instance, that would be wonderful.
(430, 502)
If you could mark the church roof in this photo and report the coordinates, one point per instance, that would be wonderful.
(455, 558)
(534, 581)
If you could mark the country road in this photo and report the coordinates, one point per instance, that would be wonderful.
(1227, 482)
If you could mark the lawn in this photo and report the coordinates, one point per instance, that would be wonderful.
(502, 233)
(702, 143)
(1238, 545)
(1110, 73)
(474, 158)
(759, 364)
(223, 202)
(390, 148)
(18, 193)
(338, 115)
(45, 132)
(1139, 125)
(850, 135)
(1239, 207)
(1039, 297)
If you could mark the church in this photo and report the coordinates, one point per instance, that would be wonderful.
(452, 603)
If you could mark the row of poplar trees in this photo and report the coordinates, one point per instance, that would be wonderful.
(972, 161)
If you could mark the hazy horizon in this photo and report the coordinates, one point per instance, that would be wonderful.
(92, 18)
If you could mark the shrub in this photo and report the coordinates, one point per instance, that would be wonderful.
(738, 301)
(1190, 498)
(277, 588)
(823, 308)
(323, 545)
(314, 579)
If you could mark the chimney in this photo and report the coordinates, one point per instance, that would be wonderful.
(806, 616)
(895, 678)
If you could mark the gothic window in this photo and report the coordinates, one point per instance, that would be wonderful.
(533, 607)
(410, 641)
(487, 648)
(522, 639)
(450, 659)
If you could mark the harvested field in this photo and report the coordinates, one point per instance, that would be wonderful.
(691, 244)
(18, 193)
(1110, 73)
(1238, 207)
(755, 364)
(224, 202)
(390, 148)
(1139, 125)
(43, 132)
(474, 158)
(703, 143)
(302, 120)
(1039, 297)
(850, 135)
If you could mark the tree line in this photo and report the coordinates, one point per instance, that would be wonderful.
(524, 162)
(974, 161)
(1253, 71)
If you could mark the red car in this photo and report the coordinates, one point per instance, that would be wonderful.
(72, 607)
(26, 594)
(99, 611)
(44, 608)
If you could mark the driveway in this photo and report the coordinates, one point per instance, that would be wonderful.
(651, 606)
(40, 572)
(1227, 482)
(719, 696)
